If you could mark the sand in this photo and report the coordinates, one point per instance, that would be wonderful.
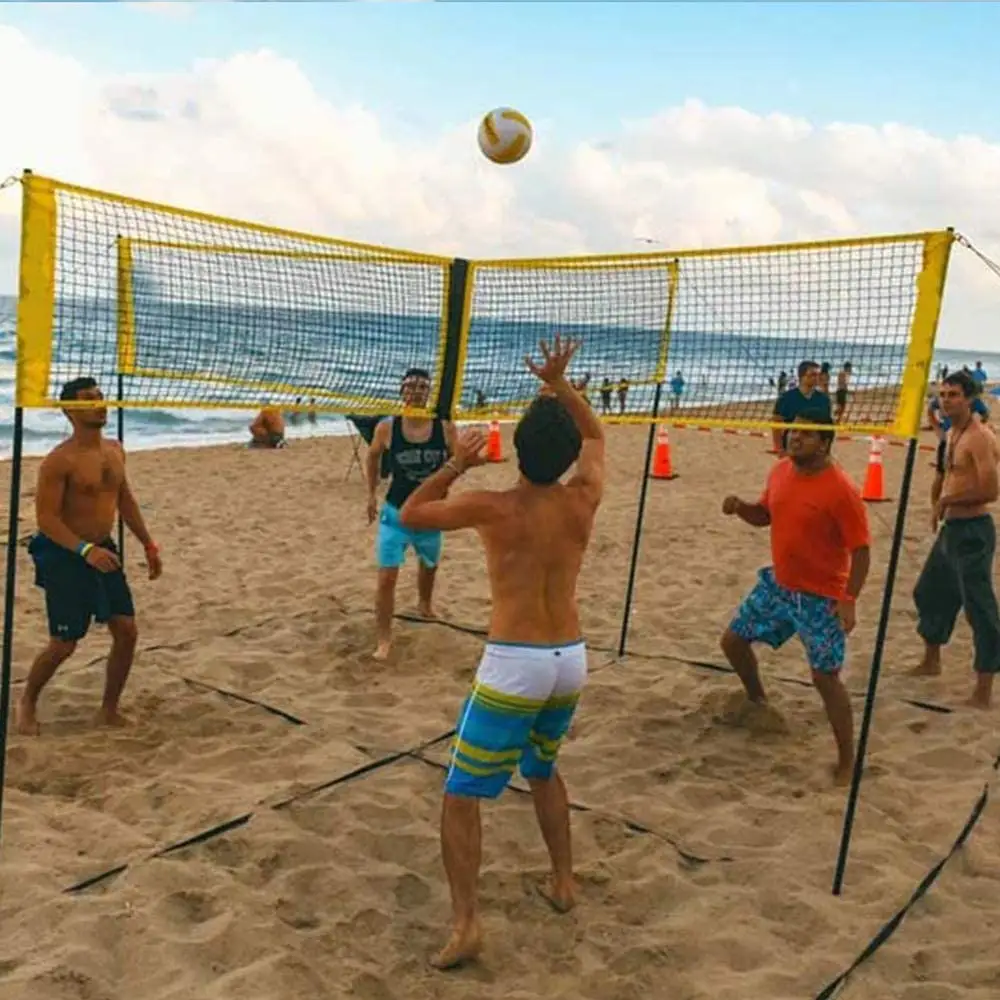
(707, 849)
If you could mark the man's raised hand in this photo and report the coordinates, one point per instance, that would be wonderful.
(553, 367)
(470, 449)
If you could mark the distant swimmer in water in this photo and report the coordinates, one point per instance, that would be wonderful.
(534, 665)
(268, 429)
(81, 488)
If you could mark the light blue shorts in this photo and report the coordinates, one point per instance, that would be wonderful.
(517, 715)
(394, 539)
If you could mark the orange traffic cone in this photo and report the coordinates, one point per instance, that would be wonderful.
(874, 488)
(662, 468)
(494, 446)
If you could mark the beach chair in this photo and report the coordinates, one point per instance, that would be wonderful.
(363, 429)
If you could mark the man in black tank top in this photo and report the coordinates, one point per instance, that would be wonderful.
(417, 448)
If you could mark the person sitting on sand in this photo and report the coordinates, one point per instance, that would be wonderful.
(81, 488)
(820, 551)
(268, 429)
(958, 572)
(534, 665)
(417, 447)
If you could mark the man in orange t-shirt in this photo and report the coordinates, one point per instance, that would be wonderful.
(820, 555)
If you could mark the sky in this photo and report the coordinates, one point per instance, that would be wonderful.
(697, 125)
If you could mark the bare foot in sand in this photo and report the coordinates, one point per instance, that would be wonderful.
(426, 611)
(560, 896)
(25, 720)
(111, 717)
(382, 649)
(463, 946)
(842, 774)
(978, 700)
(982, 694)
(929, 666)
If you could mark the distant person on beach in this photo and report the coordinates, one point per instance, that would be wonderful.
(81, 488)
(979, 374)
(311, 412)
(792, 402)
(676, 390)
(622, 394)
(295, 415)
(534, 666)
(417, 448)
(268, 429)
(843, 388)
(782, 382)
(823, 379)
(958, 572)
(820, 552)
(581, 387)
(606, 389)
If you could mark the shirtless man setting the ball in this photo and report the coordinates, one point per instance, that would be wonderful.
(534, 665)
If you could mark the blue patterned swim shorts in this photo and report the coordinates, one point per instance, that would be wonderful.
(772, 614)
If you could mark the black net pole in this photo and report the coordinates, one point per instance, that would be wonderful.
(640, 514)
(7, 667)
(883, 626)
(458, 281)
(121, 441)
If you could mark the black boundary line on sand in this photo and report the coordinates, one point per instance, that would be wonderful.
(413, 753)
(80, 665)
(417, 753)
(835, 987)
(694, 860)
(218, 829)
(719, 668)
(238, 821)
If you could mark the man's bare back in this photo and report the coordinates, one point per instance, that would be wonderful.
(534, 663)
(535, 542)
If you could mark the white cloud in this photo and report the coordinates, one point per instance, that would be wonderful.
(249, 136)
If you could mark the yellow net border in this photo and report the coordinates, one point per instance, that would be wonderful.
(660, 300)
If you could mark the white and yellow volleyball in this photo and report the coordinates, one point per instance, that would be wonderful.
(505, 135)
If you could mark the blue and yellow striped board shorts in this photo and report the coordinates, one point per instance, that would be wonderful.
(518, 713)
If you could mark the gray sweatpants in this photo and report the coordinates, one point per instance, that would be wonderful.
(957, 575)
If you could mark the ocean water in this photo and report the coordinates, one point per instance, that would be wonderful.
(365, 354)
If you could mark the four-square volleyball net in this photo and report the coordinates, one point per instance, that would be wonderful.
(170, 308)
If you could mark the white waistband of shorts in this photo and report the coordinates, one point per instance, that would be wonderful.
(535, 648)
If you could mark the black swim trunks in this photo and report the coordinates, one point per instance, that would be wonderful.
(75, 592)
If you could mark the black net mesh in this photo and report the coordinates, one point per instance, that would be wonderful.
(201, 313)
(725, 331)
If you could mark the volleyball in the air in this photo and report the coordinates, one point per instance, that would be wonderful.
(505, 135)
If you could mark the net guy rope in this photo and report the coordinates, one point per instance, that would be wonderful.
(184, 309)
